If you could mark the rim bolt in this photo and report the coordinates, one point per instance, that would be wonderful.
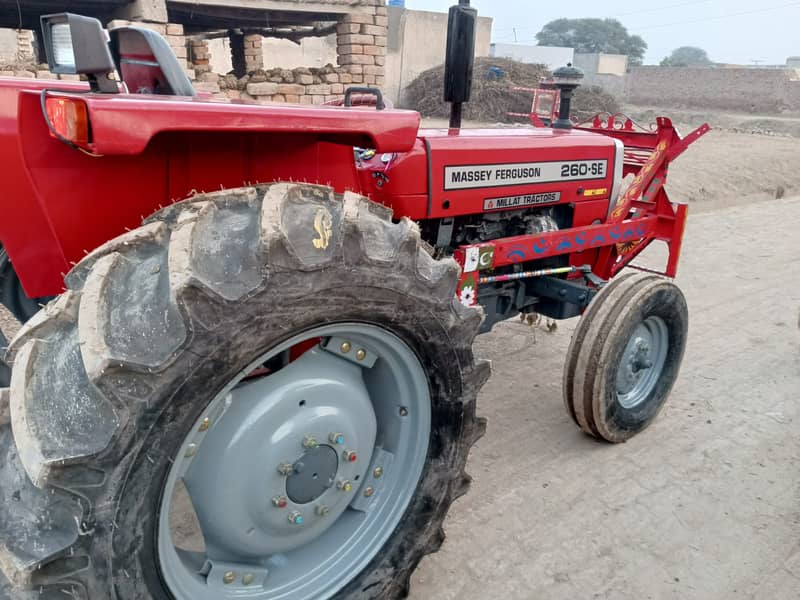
(286, 469)
(295, 518)
(403, 411)
(336, 438)
(361, 354)
(345, 347)
(344, 485)
(369, 491)
(248, 579)
(191, 450)
(309, 442)
(229, 577)
(350, 455)
(323, 510)
(377, 472)
(205, 424)
(279, 501)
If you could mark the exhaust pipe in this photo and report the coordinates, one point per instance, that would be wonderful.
(567, 80)
(461, 30)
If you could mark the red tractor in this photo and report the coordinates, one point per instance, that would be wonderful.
(255, 376)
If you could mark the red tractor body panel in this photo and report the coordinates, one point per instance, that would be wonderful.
(144, 152)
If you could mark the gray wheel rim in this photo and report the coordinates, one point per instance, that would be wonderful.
(285, 511)
(642, 362)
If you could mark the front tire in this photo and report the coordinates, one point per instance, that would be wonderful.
(114, 380)
(625, 356)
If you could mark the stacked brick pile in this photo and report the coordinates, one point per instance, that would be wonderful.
(361, 41)
(300, 86)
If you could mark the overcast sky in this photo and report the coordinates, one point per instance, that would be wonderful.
(768, 32)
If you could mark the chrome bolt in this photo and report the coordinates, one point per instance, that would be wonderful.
(248, 579)
(369, 491)
(336, 438)
(279, 501)
(309, 442)
(350, 455)
(229, 577)
(344, 485)
(377, 472)
(191, 450)
(345, 347)
(205, 424)
(361, 354)
(295, 518)
(286, 469)
(323, 510)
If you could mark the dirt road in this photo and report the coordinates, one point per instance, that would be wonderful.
(703, 505)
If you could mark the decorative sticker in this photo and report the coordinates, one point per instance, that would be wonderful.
(520, 201)
(323, 225)
(468, 177)
(468, 295)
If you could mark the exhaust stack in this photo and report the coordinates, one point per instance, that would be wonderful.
(460, 61)
(567, 80)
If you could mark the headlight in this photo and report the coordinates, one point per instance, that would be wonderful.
(619, 163)
(63, 54)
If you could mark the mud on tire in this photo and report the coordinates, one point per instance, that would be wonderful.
(110, 376)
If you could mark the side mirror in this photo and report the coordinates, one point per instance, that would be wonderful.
(78, 45)
(461, 28)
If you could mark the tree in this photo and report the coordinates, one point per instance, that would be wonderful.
(687, 56)
(592, 36)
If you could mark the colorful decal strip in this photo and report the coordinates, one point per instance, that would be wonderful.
(467, 177)
(528, 275)
(520, 201)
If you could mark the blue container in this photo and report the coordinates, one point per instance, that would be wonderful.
(400, 3)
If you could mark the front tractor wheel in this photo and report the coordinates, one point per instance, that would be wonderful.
(265, 393)
(625, 356)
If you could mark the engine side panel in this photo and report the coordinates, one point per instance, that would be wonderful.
(478, 171)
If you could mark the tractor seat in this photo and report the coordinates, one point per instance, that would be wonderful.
(146, 63)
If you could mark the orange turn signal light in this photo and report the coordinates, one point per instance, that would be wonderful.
(69, 119)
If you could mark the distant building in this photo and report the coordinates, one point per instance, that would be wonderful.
(550, 56)
(793, 62)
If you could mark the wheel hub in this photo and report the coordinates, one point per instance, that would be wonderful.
(270, 425)
(298, 478)
(642, 362)
(312, 475)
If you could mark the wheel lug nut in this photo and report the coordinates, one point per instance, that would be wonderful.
(248, 579)
(345, 347)
(344, 485)
(369, 491)
(323, 510)
(191, 450)
(279, 501)
(361, 354)
(336, 438)
(205, 424)
(295, 518)
(309, 442)
(377, 472)
(403, 411)
(229, 577)
(350, 455)
(286, 469)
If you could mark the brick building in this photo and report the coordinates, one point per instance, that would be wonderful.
(360, 27)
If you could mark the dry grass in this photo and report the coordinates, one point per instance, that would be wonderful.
(492, 94)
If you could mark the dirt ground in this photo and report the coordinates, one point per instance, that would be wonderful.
(705, 504)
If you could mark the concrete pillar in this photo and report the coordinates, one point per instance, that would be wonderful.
(151, 11)
(238, 59)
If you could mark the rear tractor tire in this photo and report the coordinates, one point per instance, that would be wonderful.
(625, 355)
(266, 392)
